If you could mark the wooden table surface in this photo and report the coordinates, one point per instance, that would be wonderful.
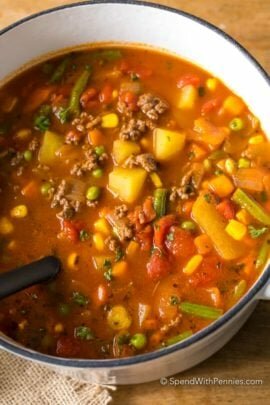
(247, 356)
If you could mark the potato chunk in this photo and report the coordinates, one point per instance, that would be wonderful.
(168, 144)
(127, 184)
(50, 145)
(123, 149)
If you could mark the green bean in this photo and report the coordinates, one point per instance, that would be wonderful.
(60, 70)
(263, 253)
(78, 88)
(252, 207)
(160, 201)
(178, 338)
(201, 311)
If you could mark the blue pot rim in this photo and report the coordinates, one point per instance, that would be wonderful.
(129, 361)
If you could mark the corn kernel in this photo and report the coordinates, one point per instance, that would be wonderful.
(132, 249)
(72, 261)
(109, 120)
(115, 94)
(230, 166)
(244, 217)
(102, 226)
(211, 83)
(233, 105)
(156, 180)
(192, 264)
(20, 211)
(6, 226)
(221, 185)
(120, 269)
(98, 241)
(22, 324)
(58, 328)
(236, 229)
(254, 140)
(23, 134)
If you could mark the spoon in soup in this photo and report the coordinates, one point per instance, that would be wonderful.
(30, 274)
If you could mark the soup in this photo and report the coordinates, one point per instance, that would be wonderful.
(149, 180)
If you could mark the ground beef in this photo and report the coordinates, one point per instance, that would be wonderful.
(145, 160)
(133, 130)
(60, 199)
(85, 122)
(113, 244)
(17, 159)
(33, 144)
(90, 162)
(152, 106)
(189, 184)
(121, 211)
(123, 108)
(125, 232)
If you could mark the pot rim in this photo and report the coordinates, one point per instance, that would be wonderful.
(261, 282)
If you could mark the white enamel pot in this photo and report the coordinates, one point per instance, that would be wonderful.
(192, 39)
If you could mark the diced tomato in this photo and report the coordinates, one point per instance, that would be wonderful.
(161, 229)
(180, 243)
(130, 99)
(66, 347)
(105, 95)
(88, 94)
(210, 105)
(148, 209)
(189, 78)
(226, 208)
(208, 273)
(145, 238)
(158, 266)
(71, 230)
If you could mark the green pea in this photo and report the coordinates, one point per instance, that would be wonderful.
(97, 173)
(93, 193)
(138, 341)
(188, 225)
(99, 150)
(236, 124)
(45, 188)
(28, 155)
(64, 309)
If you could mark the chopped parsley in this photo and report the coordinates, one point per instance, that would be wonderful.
(123, 339)
(62, 114)
(84, 235)
(83, 333)
(134, 77)
(79, 298)
(119, 254)
(207, 198)
(174, 300)
(256, 232)
(42, 120)
(107, 265)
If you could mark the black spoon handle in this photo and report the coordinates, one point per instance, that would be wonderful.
(22, 277)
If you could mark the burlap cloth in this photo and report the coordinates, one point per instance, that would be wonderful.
(24, 382)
